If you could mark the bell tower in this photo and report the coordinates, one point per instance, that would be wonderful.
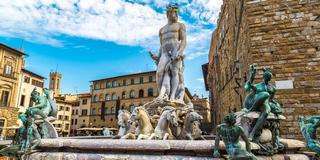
(54, 84)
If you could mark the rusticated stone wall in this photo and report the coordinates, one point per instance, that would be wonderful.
(280, 34)
(10, 117)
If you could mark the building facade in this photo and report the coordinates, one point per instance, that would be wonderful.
(63, 121)
(281, 35)
(202, 106)
(11, 63)
(121, 92)
(28, 82)
(80, 112)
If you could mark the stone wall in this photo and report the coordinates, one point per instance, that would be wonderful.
(10, 117)
(283, 35)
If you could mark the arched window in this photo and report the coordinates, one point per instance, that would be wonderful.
(131, 108)
(114, 84)
(109, 85)
(95, 98)
(132, 94)
(108, 97)
(141, 93)
(124, 95)
(150, 92)
(114, 96)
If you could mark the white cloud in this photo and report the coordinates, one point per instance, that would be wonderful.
(130, 22)
(112, 20)
(200, 79)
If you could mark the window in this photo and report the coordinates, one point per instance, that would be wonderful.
(60, 117)
(114, 96)
(5, 98)
(71, 121)
(124, 82)
(124, 95)
(66, 117)
(60, 108)
(67, 127)
(150, 78)
(141, 80)
(73, 112)
(141, 93)
(114, 84)
(96, 85)
(76, 112)
(95, 98)
(132, 81)
(150, 92)
(22, 99)
(93, 111)
(106, 110)
(84, 121)
(76, 121)
(84, 112)
(26, 79)
(109, 85)
(2, 122)
(131, 107)
(8, 70)
(132, 94)
(108, 97)
(112, 110)
(84, 101)
(37, 83)
(67, 109)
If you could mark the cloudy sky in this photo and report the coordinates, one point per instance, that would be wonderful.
(92, 39)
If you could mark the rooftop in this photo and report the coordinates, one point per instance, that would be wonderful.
(32, 73)
(12, 49)
(127, 75)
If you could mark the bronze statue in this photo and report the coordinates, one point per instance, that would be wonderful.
(308, 127)
(261, 99)
(230, 135)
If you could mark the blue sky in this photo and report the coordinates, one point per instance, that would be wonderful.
(93, 39)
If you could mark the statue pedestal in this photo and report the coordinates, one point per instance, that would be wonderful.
(98, 149)
(268, 137)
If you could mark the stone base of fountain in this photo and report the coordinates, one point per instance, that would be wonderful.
(98, 149)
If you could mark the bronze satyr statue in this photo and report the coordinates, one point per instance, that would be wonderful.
(230, 135)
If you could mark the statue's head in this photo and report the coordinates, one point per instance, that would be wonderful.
(230, 119)
(267, 75)
(172, 12)
(35, 95)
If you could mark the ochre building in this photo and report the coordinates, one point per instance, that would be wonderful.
(283, 35)
(28, 82)
(121, 92)
(80, 112)
(11, 63)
